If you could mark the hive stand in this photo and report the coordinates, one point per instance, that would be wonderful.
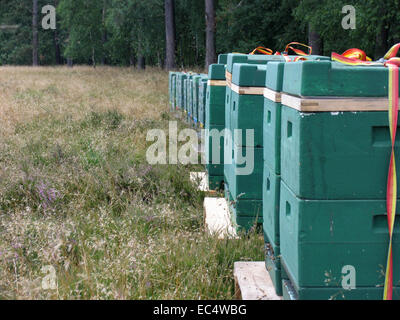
(217, 219)
(252, 282)
(200, 180)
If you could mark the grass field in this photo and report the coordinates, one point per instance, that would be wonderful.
(77, 194)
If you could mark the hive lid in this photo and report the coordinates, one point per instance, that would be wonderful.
(275, 70)
(333, 79)
(216, 72)
(249, 75)
(182, 75)
(262, 59)
(274, 76)
(223, 58)
(196, 78)
(250, 59)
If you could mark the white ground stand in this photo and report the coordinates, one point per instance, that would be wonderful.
(252, 282)
(200, 179)
(217, 218)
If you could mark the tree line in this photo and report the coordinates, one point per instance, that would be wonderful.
(183, 33)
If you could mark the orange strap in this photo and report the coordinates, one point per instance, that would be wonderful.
(298, 51)
(262, 50)
(354, 57)
(301, 53)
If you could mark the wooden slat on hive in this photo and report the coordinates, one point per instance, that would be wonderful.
(330, 104)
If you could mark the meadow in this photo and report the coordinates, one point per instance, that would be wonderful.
(78, 196)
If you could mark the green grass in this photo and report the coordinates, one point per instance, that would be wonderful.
(76, 193)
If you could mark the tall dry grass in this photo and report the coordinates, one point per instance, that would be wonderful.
(77, 194)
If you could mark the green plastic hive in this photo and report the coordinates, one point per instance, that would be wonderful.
(319, 237)
(359, 293)
(246, 186)
(272, 117)
(341, 155)
(215, 106)
(214, 149)
(247, 110)
(180, 90)
(202, 100)
(195, 104)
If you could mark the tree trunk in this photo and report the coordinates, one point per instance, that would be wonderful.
(314, 41)
(70, 62)
(132, 60)
(93, 58)
(381, 39)
(141, 62)
(57, 49)
(35, 34)
(104, 35)
(211, 55)
(93, 51)
(170, 34)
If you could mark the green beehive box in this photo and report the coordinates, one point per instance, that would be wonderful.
(318, 238)
(330, 154)
(190, 100)
(174, 92)
(202, 100)
(360, 293)
(187, 95)
(245, 213)
(247, 186)
(228, 141)
(184, 95)
(271, 202)
(228, 165)
(215, 117)
(215, 107)
(214, 150)
(248, 105)
(233, 58)
(180, 90)
(195, 104)
(171, 87)
(215, 183)
(272, 116)
(244, 192)
(273, 266)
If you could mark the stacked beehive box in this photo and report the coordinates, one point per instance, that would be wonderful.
(172, 89)
(181, 77)
(201, 115)
(245, 76)
(215, 123)
(195, 103)
(335, 150)
(272, 166)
